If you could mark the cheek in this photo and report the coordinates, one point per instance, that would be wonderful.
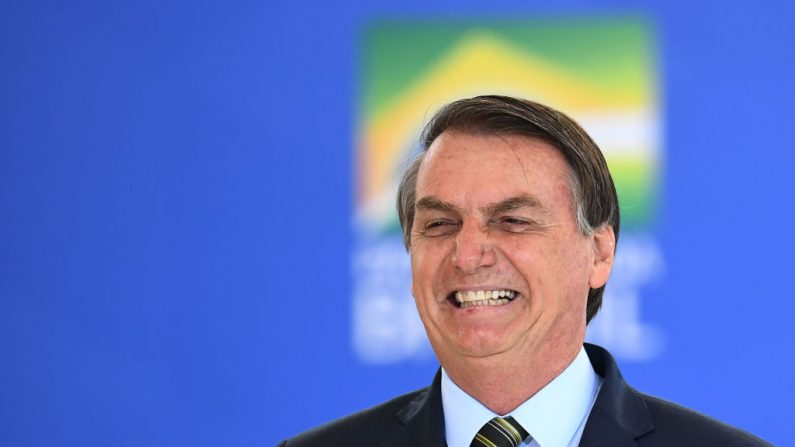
(549, 262)
(530, 257)
(427, 257)
(424, 268)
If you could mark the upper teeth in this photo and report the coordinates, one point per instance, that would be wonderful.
(480, 295)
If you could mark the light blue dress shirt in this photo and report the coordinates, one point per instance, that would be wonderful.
(555, 416)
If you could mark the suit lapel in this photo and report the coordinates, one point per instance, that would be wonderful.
(422, 420)
(602, 430)
(619, 415)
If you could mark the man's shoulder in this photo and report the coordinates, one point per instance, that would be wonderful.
(360, 428)
(621, 413)
(681, 426)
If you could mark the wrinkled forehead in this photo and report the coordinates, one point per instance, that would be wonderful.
(469, 163)
(453, 147)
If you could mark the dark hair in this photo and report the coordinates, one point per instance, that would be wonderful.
(593, 192)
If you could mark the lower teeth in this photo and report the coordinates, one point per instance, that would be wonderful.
(484, 303)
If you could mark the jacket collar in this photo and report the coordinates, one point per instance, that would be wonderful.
(422, 419)
(618, 417)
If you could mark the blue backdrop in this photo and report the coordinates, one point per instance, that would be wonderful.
(175, 216)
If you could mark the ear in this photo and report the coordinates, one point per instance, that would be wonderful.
(604, 245)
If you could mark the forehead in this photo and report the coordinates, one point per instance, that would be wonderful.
(464, 167)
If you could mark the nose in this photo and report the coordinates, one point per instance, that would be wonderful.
(473, 250)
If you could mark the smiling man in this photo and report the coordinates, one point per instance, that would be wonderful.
(511, 219)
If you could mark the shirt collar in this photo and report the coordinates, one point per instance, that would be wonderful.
(552, 416)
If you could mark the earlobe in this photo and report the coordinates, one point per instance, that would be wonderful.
(604, 240)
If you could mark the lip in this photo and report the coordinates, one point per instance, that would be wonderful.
(450, 298)
(478, 288)
(476, 311)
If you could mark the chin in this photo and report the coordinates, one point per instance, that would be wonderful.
(481, 346)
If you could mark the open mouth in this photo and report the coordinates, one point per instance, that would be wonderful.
(471, 298)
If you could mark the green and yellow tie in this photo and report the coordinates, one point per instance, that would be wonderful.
(500, 432)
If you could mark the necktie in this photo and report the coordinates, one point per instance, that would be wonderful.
(500, 432)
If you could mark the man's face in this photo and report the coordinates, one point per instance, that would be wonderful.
(494, 219)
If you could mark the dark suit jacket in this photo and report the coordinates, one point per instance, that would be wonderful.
(621, 416)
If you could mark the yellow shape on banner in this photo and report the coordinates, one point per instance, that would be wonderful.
(480, 64)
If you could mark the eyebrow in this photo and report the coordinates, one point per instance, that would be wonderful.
(431, 203)
(512, 203)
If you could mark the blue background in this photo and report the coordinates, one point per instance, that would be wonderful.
(175, 205)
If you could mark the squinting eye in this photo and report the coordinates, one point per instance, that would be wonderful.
(439, 227)
(513, 224)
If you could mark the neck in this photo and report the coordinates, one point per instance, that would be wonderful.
(504, 381)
